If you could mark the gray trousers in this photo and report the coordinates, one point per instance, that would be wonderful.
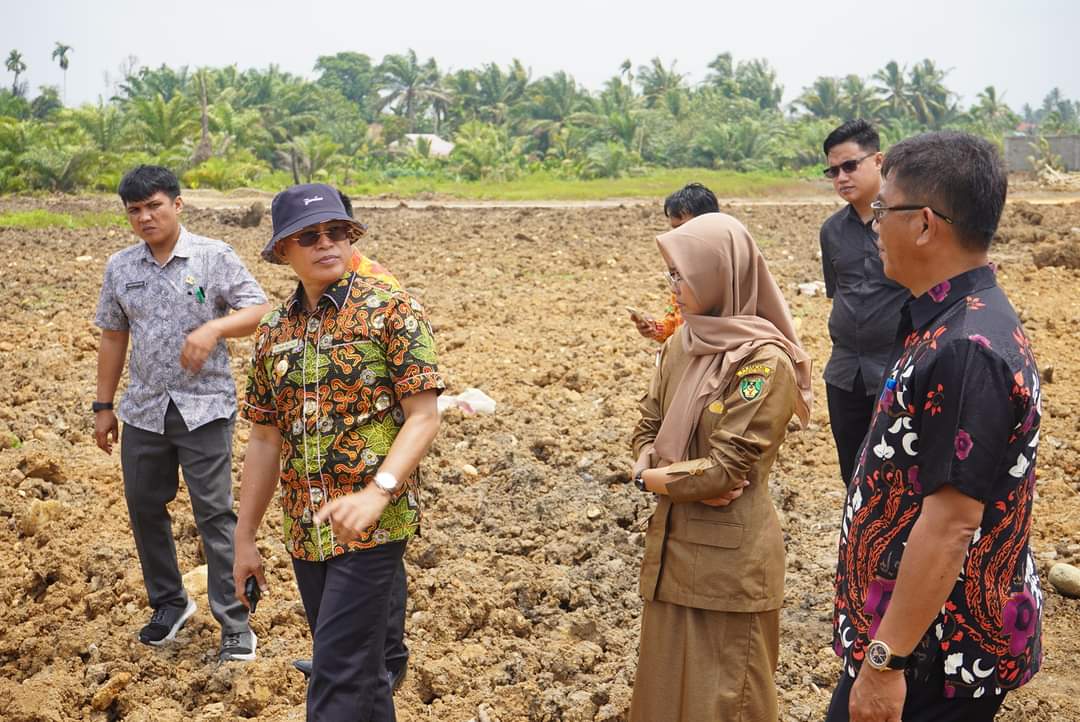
(150, 462)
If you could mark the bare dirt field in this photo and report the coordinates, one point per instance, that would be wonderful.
(523, 599)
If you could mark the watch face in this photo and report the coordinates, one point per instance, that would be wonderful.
(386, 482)
(877, 654)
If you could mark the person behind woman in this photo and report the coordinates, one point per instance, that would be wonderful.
(714, 417)
(688, 202)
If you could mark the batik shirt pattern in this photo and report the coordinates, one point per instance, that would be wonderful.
(960, 406)
(332, 381)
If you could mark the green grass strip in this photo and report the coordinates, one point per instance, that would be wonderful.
(546, 186)
(47, 219)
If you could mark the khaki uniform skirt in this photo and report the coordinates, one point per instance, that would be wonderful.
(699, 665)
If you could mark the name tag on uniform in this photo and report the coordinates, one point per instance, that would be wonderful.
(285, 346)
(134, 284)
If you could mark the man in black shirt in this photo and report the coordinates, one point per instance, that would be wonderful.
(866, 304)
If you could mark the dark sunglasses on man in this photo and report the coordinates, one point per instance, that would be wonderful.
(848, 166)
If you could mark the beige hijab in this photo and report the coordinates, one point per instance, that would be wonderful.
(719, 260)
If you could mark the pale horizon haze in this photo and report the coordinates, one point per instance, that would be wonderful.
(1024, 49)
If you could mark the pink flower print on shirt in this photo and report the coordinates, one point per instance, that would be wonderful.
(963, 444)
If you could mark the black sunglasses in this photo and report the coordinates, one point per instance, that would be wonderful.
(848, 166)
(880, 209)
(336, 233)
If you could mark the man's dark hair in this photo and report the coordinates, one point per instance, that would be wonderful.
(143, 181)
(958, 174)
(860, 131)
(692, 200)
(347, 202)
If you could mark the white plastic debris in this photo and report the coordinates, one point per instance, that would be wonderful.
(811, 289)
(470, 401)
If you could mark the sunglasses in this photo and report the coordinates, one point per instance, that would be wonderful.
(337, 233)
(848, 166)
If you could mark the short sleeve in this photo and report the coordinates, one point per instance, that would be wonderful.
(828, 271)
(967, 417)
(259, 406)
(239, 287)
(411, 359)
(110, 316)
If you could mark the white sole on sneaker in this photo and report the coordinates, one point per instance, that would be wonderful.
(189, 610)
(244, 657)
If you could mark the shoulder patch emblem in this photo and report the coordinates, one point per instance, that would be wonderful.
(753, 370)
(750, 387)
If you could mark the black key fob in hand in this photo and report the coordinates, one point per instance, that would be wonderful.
(252, 591)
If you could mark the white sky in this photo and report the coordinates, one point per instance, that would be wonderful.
(1024, 48)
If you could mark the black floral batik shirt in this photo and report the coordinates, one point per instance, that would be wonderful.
(960, 406)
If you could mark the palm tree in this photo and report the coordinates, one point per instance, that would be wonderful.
(165, 124)
(59, 54)
(496, 92)
(822, 99)
(552, 102)
(310, 156)
(658, 82)
(928, 94)
(409, 84)
(756, 80)
(894, 88)
(104, 124)
(858, 99)
(722, 76)
(15, 64)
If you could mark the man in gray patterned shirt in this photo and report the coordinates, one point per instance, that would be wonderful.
(171, 295)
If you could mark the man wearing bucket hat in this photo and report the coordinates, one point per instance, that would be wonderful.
(342, 399)
(397, 653)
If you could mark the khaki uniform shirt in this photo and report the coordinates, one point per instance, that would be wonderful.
(720, 558)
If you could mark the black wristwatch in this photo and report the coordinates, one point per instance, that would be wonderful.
(880, 656)
(101, 406)
(639, 481)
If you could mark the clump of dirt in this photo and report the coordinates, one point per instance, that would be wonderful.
(1066, 255)
(523, 599)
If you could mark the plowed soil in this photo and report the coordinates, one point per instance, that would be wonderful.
(523, 599)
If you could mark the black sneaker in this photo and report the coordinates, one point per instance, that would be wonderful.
(238, 646)
(166, 621)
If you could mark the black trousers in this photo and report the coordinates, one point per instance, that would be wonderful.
(849, 417)
(925, 702)
(397, 654)
(347, 602)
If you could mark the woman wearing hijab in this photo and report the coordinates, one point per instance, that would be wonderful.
(714, 417)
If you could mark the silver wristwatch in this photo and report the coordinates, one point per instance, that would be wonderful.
(387, 482)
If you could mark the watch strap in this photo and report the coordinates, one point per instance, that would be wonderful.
(101, 406)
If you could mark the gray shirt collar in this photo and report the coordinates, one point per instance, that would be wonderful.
(182, 249)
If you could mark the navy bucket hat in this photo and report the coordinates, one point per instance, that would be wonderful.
(298, 207)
